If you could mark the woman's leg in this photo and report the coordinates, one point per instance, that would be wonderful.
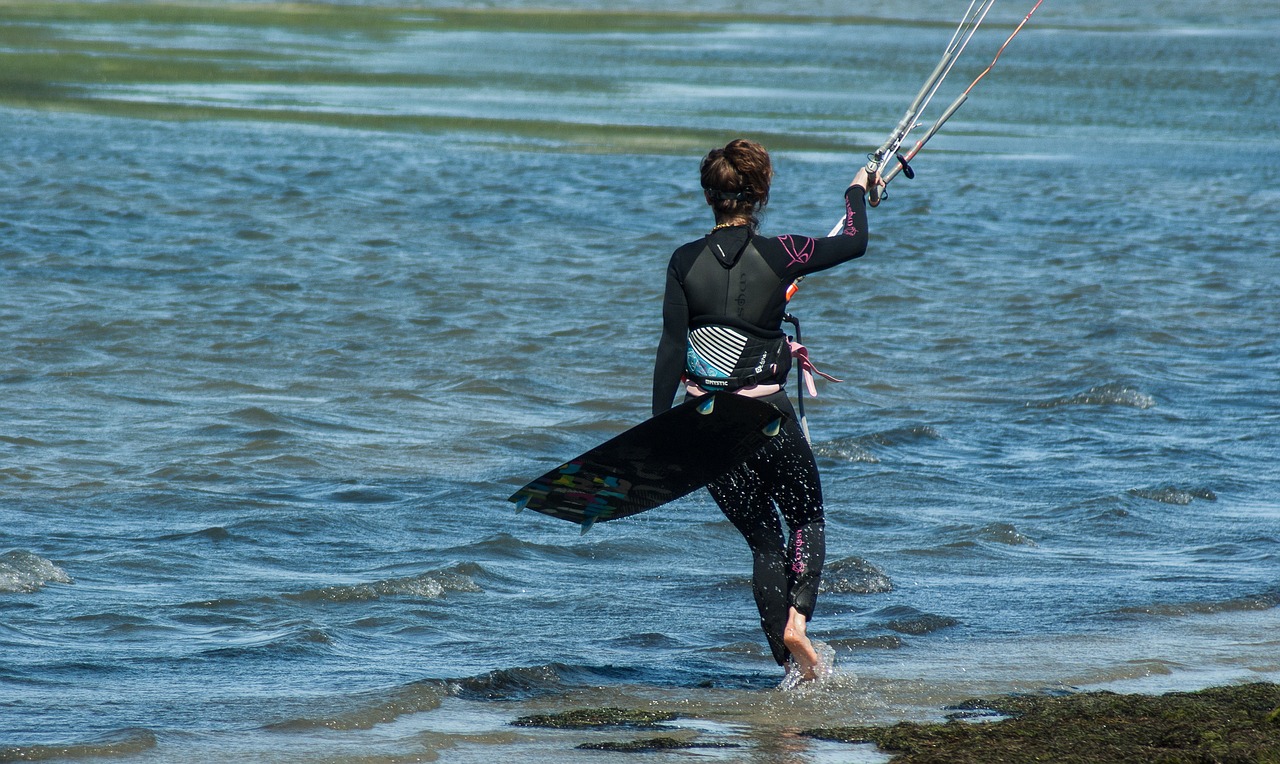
(795, 487)
(743, 501)
(786, 570)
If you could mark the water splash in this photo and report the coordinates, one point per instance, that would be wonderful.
(825, 671)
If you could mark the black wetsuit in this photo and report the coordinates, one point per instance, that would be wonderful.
(735, 279)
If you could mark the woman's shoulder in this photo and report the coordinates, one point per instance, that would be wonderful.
(786, 243)
(689, 250)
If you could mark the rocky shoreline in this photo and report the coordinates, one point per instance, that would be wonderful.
(1239, 723)
(1226, 725)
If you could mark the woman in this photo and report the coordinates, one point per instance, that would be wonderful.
(726, 295)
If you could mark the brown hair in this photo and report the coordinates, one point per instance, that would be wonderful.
(736, 180)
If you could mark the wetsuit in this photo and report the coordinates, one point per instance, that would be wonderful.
(726, 294)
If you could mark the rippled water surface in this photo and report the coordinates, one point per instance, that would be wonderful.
(295, 295)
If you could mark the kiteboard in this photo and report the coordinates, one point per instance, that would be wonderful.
(657, 461)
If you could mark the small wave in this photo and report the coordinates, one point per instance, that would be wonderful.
(881, 642)
(24, 572)
(854, 575)
(513, 683)
(748, 649)
(298, 640)
(371, 709)
(1174, 495)
(214, 533)
(859, 448)
(430, 585)
(1265, 601)
(21, 441)
(1250, 550)
(287, 462)
(507, 546)
(1110, 394)
(259, 417)
(143, 401)
(918, 626)
(271, 433)
(364, 496)
(645, 641)
(847, 450)
(125, 742)
(908, 620)
(900, 436)
(253, 234)
(1003, 533)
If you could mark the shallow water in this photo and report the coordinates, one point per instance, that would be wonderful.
(294, 298)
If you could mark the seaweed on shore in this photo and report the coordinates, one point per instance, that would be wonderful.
(1225, 725)
(601, 718)
(594, 718)
(652, 744)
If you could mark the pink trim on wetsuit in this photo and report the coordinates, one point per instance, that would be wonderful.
(797, 562)
(798, 248)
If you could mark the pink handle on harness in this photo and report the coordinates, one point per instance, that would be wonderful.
(807, 369)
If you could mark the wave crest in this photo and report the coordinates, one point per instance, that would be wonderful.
(858, 448)
(371, 709)
(905, 619)
(125, 742)
(368, 709)
(1004, 533)
(1110, 394)
(1264, 601)
(1174, 495)
(854, 575)
(435, 584)
(24, 572)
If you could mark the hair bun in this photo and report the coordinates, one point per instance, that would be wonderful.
(737, 177)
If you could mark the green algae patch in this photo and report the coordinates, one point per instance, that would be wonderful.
(410, 16)
(652, 744)
(1222, 724)
(594, 718)
(386, 67)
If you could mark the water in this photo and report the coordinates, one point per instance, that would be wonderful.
(294, 298)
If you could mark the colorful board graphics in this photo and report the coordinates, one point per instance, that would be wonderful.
(657, 461)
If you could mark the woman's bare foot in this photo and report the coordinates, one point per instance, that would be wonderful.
(802, 652)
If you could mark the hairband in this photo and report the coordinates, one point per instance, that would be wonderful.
(716, 195)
